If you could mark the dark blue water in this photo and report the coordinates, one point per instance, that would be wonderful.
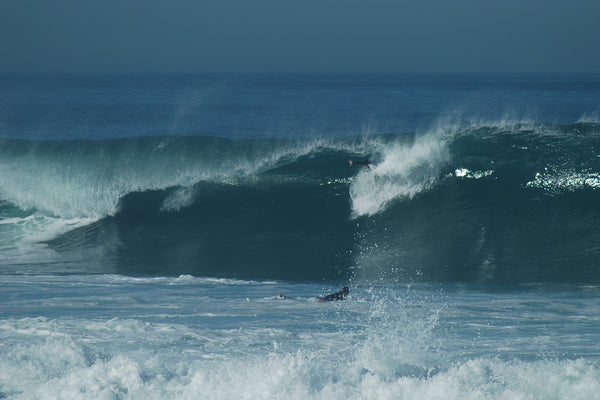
(148, 223)
(473, 177)
(251, 106)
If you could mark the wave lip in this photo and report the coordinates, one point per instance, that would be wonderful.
(88, 178)
(405, 170)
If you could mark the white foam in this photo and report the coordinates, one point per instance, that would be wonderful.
(180, 198)
(555, 182)
(59, 368)
(386, 343)
(22, 239)
(467, 174)
(404, 171)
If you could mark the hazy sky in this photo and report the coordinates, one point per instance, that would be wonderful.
(299, 36)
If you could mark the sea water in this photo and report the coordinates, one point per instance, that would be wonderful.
(149, 224)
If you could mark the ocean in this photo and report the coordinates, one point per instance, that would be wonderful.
(149, 224)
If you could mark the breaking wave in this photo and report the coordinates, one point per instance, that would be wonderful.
(511, 201)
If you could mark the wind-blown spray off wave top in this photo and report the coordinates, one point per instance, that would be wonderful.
(515, 202)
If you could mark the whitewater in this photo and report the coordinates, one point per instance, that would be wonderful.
(148, 225)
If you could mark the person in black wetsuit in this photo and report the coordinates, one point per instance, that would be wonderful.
(341, 295)
(365, 163)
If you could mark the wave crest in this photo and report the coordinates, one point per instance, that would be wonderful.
(483, 203)
(404, 171)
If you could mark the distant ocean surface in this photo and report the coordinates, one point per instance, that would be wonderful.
(148, 224)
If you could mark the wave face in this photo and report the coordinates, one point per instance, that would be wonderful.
(500, 202)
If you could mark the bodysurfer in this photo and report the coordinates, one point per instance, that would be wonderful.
(341, 295)
(365, 163)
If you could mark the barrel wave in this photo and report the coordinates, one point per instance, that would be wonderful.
(510, 201)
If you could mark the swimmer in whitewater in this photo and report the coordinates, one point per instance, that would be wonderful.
(341, 295)
(365, 163)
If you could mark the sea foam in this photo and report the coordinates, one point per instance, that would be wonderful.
(404, 171)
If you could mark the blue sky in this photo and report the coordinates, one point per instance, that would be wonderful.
(299, 36)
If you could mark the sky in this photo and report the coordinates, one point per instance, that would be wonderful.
(328, 36)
